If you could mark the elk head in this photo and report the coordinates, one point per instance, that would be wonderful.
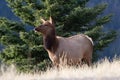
(46, 27)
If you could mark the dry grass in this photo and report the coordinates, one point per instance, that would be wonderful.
(104, 70)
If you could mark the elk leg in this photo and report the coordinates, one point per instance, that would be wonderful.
(89, 63)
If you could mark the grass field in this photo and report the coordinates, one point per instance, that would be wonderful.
(103, 70)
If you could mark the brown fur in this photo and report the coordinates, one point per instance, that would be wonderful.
(62, 51)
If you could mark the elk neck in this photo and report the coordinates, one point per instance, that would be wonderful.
(50, 41)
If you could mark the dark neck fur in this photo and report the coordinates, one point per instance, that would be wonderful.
(50, 41)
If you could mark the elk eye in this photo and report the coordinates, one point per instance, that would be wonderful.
(45, 25)
(42, 26)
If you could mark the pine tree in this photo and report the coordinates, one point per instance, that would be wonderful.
(22, 48)
(71, 17)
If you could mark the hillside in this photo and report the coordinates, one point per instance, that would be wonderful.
(114, 24)
(101, 71)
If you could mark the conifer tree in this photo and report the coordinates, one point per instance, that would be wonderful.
(70, 16)
(22, 48)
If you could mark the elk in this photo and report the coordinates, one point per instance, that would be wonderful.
(71, 50)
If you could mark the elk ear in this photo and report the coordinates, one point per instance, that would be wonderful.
(42, 20)
(50, 20)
